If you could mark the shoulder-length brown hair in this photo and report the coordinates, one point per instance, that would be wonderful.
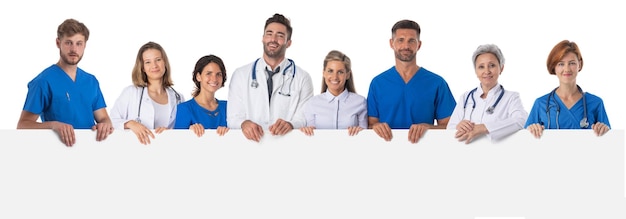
(140, 79)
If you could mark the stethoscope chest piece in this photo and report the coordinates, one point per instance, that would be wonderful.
(584, 123)
(490, 110)
(255, 83)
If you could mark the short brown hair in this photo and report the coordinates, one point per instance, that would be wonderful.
(406, 24)
(70, 27)
(559, 51)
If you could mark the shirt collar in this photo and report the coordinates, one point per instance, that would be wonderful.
(343, 96)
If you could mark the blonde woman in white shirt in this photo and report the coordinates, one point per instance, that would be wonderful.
(338, 106)
(150, 102)
(487, 110)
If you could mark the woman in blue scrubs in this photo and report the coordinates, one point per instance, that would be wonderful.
(204, 111)
(567, 106)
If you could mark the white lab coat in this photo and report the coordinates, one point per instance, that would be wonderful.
(508, 116)
(248, 103)
(127, 106)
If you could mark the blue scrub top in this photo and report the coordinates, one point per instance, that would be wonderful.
(190, 112)
(56, 97)
(423, 99)
(567, 118)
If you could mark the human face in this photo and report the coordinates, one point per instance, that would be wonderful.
(71, 48)
(153, 64)
(567, 69)
(275, 41)
(210, 78)
(488, 69)
(335, 76)
(405, 44)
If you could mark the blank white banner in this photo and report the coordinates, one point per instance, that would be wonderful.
(565, 174)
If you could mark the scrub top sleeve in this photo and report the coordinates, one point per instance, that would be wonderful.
(533, 116)
(602, 116)
(446, 101)
(36, 97)
(183, 116)
(99, 102)
(372, 103)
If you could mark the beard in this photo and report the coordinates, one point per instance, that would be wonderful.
(278, 53)
(67, 59)
(405, 58)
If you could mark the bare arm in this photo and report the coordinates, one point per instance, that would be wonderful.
(28, 120)
(103, 126)
(371, 121)
(441, 123)
(65, 131)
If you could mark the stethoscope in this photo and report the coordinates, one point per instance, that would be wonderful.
(255, 83)
(583, 122)
(178, 100)
(489, 110)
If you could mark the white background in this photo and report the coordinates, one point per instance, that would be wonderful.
(188, 30)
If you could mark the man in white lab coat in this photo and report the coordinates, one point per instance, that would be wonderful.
(270, 92)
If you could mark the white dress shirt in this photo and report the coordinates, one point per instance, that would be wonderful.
(326, 111)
